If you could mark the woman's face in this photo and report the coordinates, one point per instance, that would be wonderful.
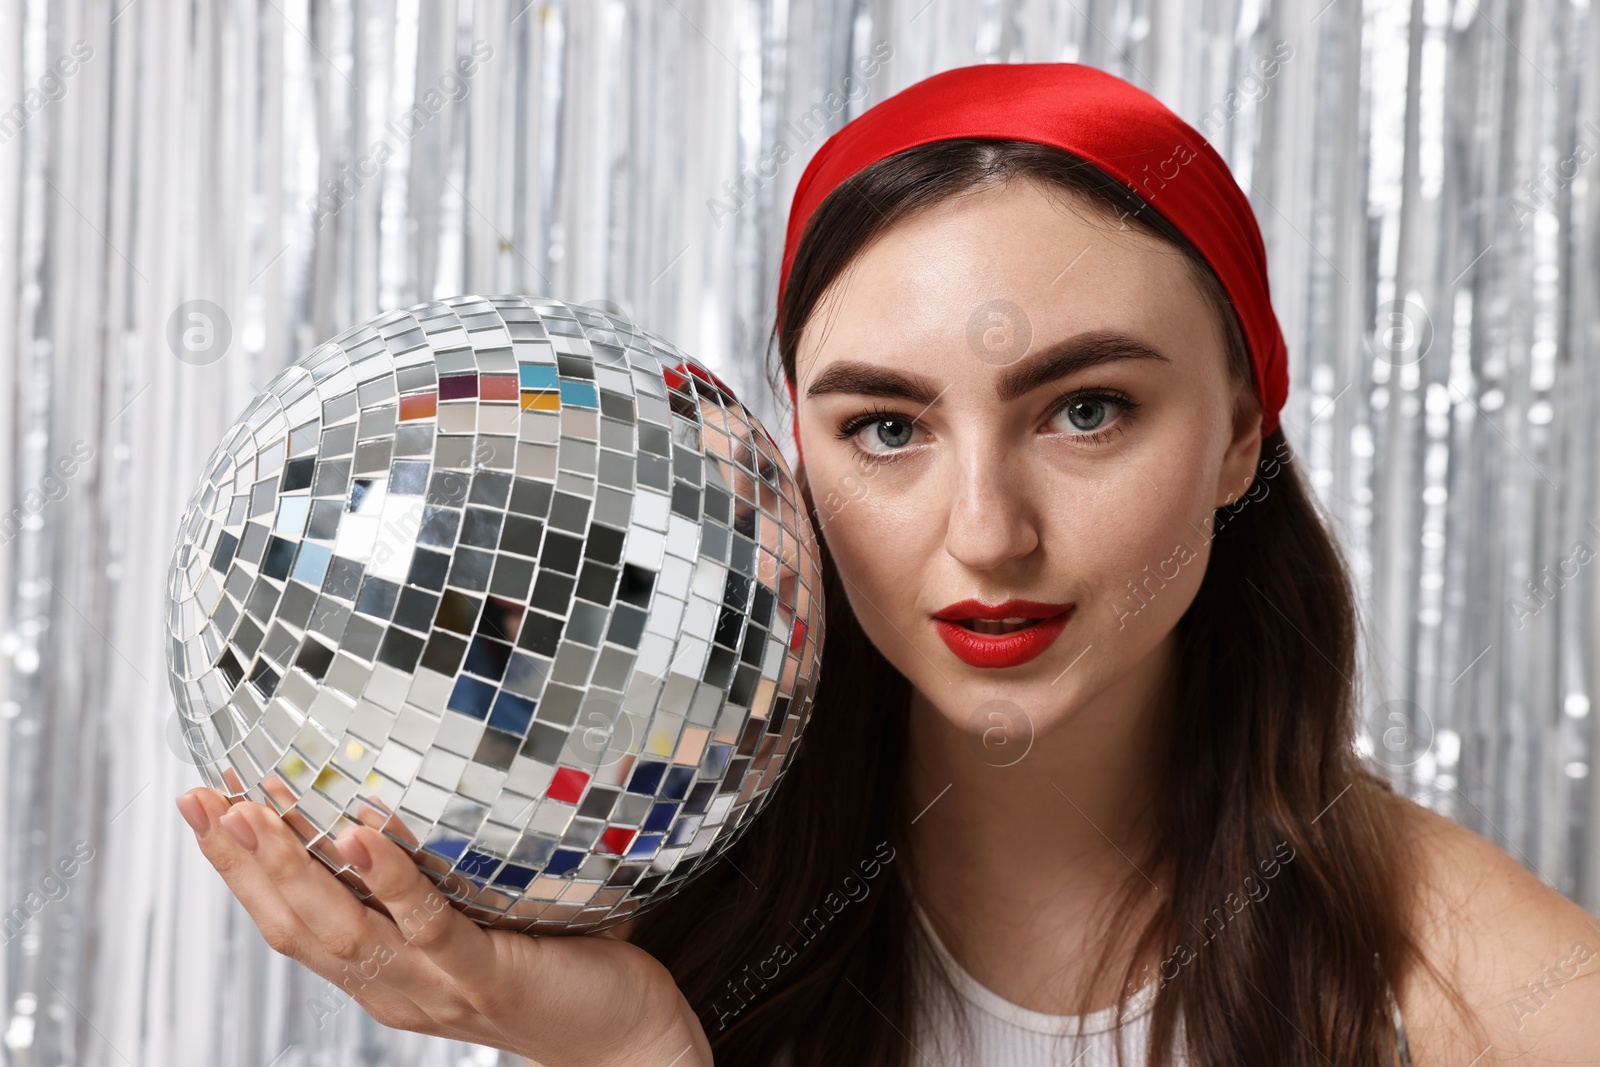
(1001, 400)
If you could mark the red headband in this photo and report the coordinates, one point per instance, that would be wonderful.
(1117, 126)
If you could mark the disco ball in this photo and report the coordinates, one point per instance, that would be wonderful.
(513, 580)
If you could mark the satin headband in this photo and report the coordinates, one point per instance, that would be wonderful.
(1115, 125)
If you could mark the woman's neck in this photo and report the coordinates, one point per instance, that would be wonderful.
(1017, 850)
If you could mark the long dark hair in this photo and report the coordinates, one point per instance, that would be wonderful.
(803, 935)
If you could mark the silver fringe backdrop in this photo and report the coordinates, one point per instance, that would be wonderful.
(193, 195)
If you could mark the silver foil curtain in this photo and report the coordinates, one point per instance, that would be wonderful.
(193, 195)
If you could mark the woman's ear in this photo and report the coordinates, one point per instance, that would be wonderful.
(1244, 448)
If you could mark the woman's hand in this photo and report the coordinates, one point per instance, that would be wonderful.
(421, 965)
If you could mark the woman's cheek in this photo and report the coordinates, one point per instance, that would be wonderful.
(893, 546)
(875, 594)
(1154, 560)
(873, 542)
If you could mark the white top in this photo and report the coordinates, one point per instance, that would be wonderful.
(1007, 1033)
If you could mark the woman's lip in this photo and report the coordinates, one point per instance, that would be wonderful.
(1001, 650)
(1009, 609)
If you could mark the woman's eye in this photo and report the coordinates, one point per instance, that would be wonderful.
(1087, 417)
(887, 434)
(1093, 415)
(879, 432)
(1087, 413)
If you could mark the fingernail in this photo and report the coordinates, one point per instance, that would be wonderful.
(354, 852)
(194, 813)
(239, 830)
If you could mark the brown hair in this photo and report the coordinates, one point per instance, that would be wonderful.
(773, 948)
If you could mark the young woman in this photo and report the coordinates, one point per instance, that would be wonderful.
(1080, 783)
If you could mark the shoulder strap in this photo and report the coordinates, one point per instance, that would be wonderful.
(1401, 1045)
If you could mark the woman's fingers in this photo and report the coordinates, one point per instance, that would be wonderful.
(469, 986)
(381, 818)
(277, 921)
(465, 970)
(432, 969)
(280, 924)
(426, 920)
(358, 938)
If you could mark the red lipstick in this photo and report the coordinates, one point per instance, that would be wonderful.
(1001, 649)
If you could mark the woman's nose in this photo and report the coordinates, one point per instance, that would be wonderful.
(992, 516)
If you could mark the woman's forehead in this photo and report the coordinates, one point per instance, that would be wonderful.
(992, 275)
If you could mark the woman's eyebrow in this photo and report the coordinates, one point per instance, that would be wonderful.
(1057, 360)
